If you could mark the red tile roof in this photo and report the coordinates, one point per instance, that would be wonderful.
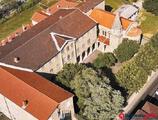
(39, 16)
(104, 40)
(134, 32)
(106, 19)
(150, 108)
(43, 96)
(63, 4)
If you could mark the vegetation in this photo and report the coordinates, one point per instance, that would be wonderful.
(149, 23)
(23, 17)
(133, 75)
(105, 60)
(97, 100)
(126, 50)
(151, 6)
(68, 73)
(16, 22)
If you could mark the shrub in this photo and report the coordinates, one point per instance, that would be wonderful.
(134, 74)
(105, 60)
(151, 6)
(126, 50)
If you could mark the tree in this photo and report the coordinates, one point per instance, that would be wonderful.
(105, 60)
(68, 73)
(132, 77)
(96, 98)
(126, 50)
(151, 6)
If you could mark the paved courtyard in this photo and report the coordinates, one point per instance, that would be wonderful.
(92, 57)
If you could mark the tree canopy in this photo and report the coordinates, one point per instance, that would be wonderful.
(126, 50)
(134, 74)
(151, 6)
(96, 98)
(104, 60)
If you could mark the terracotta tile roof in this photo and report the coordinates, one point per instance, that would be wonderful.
(87, 5)
(106, 19)
(62, 4)
(43, 96)
(39, 16)
(135, 32)
(150, 108)
(104, 40)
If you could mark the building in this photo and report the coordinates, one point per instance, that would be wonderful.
(47, 46)
(112, 29)
(148, 111)
(85, 6)
(128, 11)
(28, 96)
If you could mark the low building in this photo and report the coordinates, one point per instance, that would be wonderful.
(128, 11)
(85, 6)
(148, 111)
(28, 96)
(112, 29)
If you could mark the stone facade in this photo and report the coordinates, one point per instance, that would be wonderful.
(65, 109)
(74, 51)
(15, 112)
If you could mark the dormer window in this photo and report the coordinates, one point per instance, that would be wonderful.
(25, 104)
(16, 59)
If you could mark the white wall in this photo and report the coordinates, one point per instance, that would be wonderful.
(13, 111)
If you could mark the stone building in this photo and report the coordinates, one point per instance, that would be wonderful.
(112, 29)
(67, 36)
(28, 96)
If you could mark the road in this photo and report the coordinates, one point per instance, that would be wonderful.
(148, 89)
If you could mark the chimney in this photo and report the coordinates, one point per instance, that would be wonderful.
(16, 59)
(25, 104)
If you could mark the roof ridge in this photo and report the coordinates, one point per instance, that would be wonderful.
(34, 87)
(36, 35)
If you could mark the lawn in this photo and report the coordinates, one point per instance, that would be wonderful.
(115, 3)
(16, 21)
(149, 23)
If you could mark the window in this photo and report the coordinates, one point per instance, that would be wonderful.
(68, 57)
(103, 32)
(88, 51)
(104, 47)
(71, 45)
(67, 48)
(93, 46)
(72, 54)
(83, 45)
(89, 41)
(98, 44)
(51, 70)
(25, 104)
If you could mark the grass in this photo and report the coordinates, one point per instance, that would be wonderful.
(16, 21)
(149, 23)
(114, 3)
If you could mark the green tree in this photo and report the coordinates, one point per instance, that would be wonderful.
(132, 77)
(151, 6)
(96, 98)
(105, 60)
(68, 73)
(126, 50)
